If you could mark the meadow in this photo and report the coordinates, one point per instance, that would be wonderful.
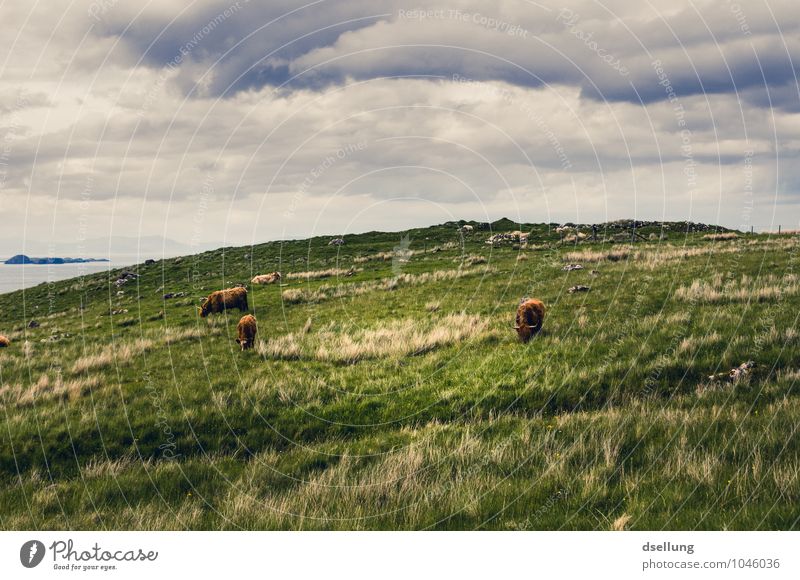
(388, 389)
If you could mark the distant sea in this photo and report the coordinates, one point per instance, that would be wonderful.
(17, 277)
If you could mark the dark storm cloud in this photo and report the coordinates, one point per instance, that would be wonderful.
(707, 47)
(234, 38)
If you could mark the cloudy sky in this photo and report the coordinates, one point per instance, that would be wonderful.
(243, 121)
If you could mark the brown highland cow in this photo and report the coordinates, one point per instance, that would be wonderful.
(530, 315)
(247, 329)
(222, 300)
(4, 341)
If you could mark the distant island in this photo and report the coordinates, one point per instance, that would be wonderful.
(23, 259)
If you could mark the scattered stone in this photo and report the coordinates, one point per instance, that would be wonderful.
(120, 311)
(336, 242)
(149, 262)
(125, 277)
(33, 324)
(170, 295)
(579, 288)
(571, 267)
(516, 238)
(595, 272)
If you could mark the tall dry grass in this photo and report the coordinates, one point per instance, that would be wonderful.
(721, 237)
(744, 289)
(406, 253)
(114, 354)
(48, 388)
(320, 274)
(396, 339)
(327, 292)
(650, 257)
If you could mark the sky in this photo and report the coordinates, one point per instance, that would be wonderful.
(237, 122)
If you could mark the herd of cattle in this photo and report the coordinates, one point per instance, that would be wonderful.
(529, 319)
(233, 298)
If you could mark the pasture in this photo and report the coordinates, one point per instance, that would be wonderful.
(388, 388)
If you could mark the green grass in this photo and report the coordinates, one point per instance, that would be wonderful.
(396, 396)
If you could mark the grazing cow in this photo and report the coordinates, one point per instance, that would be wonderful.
(4, 341)
(530, 315)
(270, 278)
(247, 329)
(223, 300)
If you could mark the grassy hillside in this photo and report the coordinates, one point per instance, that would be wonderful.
(388, 389)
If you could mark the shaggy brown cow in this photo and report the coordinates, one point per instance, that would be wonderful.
(247, 329)
(267, 278)
(530, 315)
(223, 300)
(4, 341)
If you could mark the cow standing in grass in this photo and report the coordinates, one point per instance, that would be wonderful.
(4, 341)
(270, 278)
(222, 300)
(247, 330)
(530, 315)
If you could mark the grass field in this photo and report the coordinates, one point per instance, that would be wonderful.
(388, 389)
